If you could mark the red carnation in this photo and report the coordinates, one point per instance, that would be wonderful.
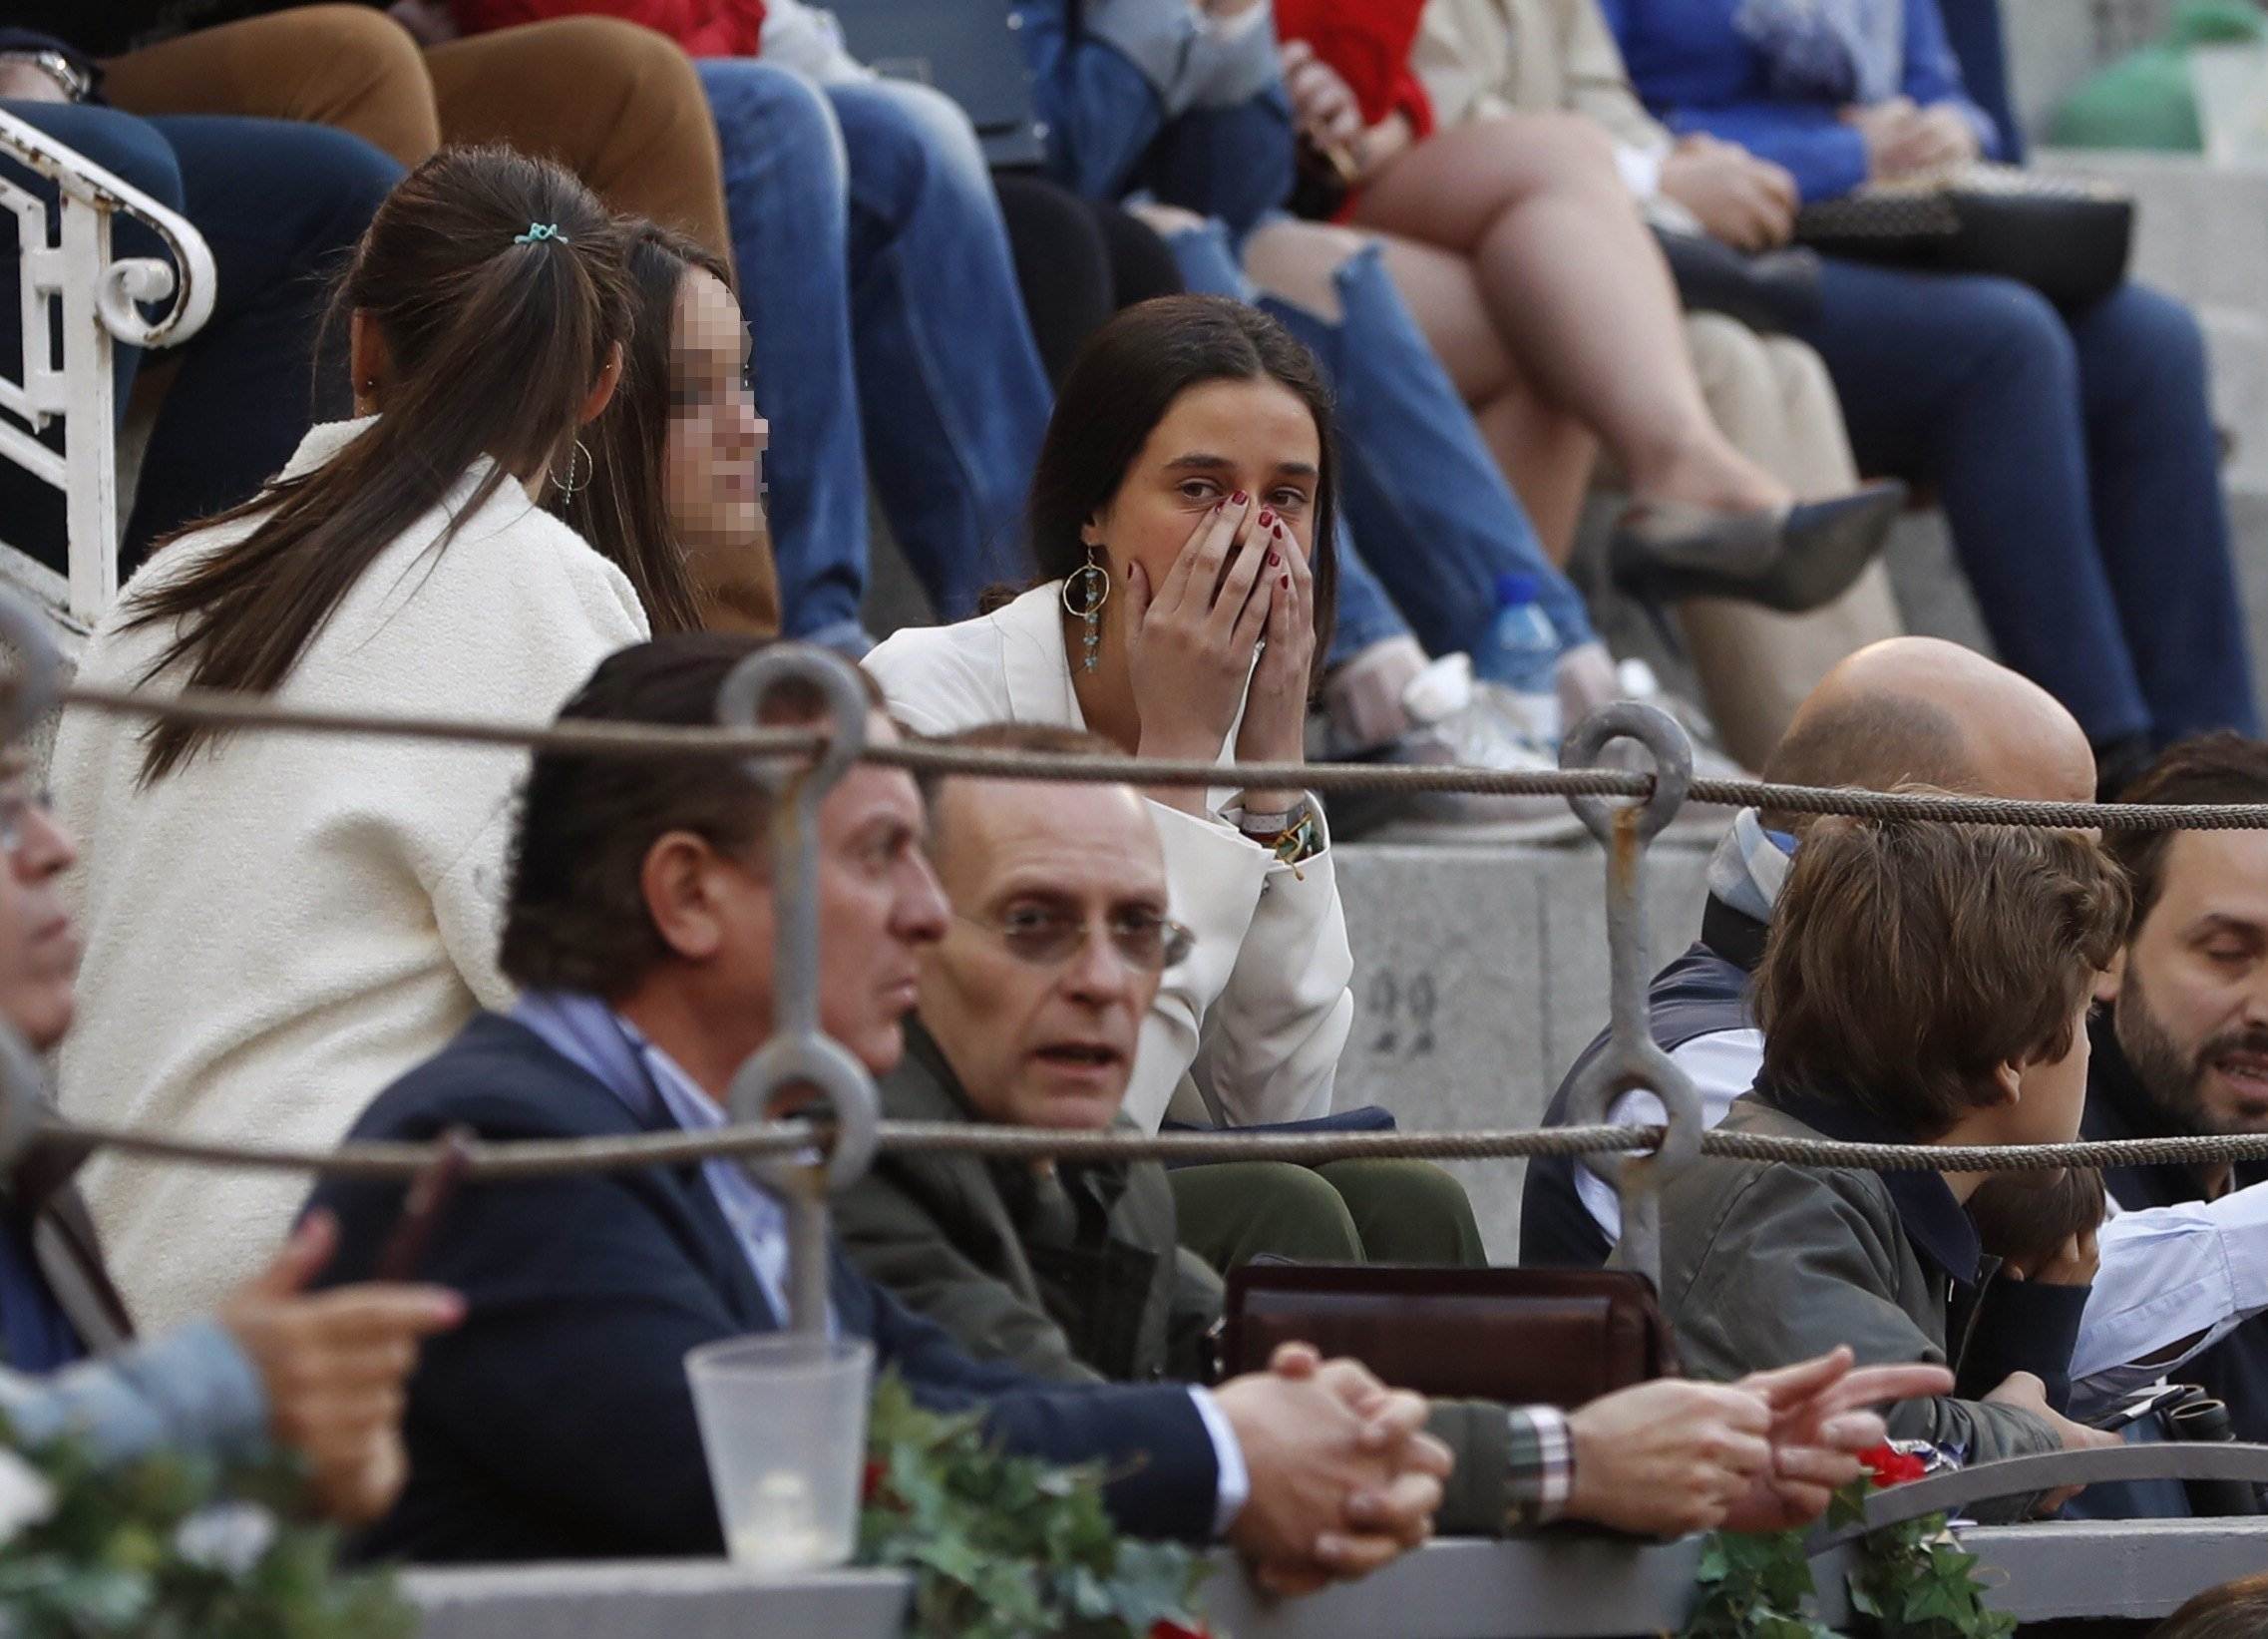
(1167, 1628)
(1891, 1467)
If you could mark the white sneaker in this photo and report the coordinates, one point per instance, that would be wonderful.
(1475, 725)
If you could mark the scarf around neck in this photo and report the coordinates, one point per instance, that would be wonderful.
(1833, 51)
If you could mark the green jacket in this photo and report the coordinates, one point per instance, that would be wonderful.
(1763, 1264)
(1085, 1282)
(1072, 1272)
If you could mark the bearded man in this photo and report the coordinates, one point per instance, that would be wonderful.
(2181, 1047)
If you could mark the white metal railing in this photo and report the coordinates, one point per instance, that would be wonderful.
(67, 266)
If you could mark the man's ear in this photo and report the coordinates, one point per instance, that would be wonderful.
(678, 882)
(2108, 982)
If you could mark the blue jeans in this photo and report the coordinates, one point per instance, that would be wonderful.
(883, 310)
(1418, 487)
(2079, 470)
(281, 204)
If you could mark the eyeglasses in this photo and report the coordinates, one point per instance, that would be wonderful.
(1048, 937)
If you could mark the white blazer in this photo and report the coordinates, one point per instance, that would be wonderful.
(1250, 1028)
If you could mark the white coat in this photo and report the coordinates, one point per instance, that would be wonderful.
(1250, 1028)
(285, 923)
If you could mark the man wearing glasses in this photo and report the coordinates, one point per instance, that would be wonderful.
(639, 926)
(1029, 1009)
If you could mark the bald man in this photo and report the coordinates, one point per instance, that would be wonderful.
(1909, 710)
(1904, 711)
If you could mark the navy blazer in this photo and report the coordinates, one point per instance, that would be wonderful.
(557, 1420)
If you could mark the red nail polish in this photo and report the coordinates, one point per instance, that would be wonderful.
(1272, 557)
(1238, 498)
(1267, 517)
(1285, 582)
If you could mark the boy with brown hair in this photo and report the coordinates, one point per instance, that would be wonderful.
(1922, 984)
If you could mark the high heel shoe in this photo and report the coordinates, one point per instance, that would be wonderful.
(1792, 559)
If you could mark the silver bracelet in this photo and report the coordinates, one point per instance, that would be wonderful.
(72, 81)
(1273, 825)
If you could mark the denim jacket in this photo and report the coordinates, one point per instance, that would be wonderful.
(1148, 96)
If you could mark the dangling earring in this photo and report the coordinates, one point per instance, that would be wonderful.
(571, 485)
(1084, 604)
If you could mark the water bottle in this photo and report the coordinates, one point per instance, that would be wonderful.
(1521, 655)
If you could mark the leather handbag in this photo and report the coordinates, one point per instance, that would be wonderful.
(1522, 1337)
(2066, 237)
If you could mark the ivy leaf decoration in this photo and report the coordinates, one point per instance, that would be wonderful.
(1006, 1547)
(1913, 1581)
(171, 1547)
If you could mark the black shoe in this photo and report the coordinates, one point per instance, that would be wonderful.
(1793, 559)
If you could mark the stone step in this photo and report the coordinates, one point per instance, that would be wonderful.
(2200, 230)
(1480, 973)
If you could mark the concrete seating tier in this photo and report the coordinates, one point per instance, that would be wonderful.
(1566, 1586)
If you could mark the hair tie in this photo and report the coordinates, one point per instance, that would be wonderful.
(538, 231)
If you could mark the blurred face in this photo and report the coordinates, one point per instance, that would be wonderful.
(878, 907)
(1042, 1028)
(39, 948)
(1216, 438)
(713, 459)
(2191, 999)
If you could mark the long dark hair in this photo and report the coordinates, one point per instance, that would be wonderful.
(496, 337)
(623, 510)
(1120, 387)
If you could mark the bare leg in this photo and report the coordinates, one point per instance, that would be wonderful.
(1577, 290)
(1545, 453)
(1548, 457)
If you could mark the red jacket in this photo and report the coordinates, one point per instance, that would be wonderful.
(1368, 42)
(705, 28)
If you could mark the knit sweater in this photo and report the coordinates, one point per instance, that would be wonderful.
(284, 924)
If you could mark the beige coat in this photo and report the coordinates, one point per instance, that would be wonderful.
(1482, 57)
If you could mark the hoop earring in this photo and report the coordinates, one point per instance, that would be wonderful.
(570, 486)
(1093, 584)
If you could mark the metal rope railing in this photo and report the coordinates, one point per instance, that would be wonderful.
(223, 710)
(840, 1129)
(527, 1158)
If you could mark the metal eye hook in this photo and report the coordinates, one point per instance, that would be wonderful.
(1632, 1060)
(802, 1070)
(31, 693)
(1673, 755)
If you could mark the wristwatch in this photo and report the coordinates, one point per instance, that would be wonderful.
(75, 82)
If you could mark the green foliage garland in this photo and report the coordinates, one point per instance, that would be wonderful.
(1913, 1581)
(1009, 1547)
(170, 1547)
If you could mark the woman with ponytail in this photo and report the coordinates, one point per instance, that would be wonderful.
(279, 924)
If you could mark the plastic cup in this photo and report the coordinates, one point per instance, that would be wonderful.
(784, 1425)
